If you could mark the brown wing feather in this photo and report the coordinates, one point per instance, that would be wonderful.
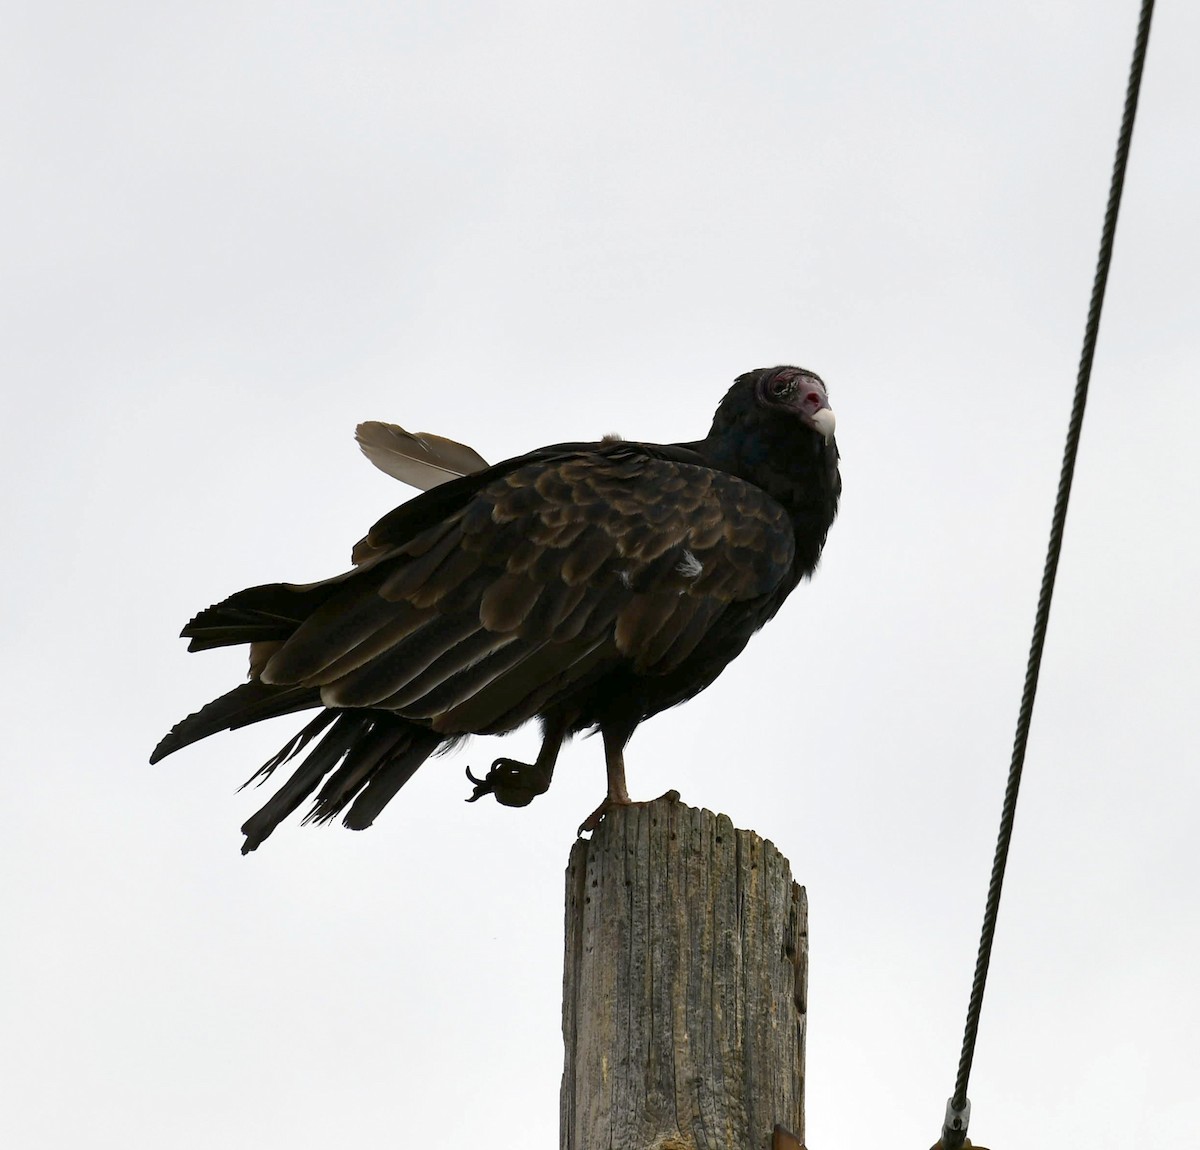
(553, 573)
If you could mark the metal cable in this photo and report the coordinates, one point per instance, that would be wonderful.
(954, 1131)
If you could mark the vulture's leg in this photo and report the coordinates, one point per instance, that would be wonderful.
(614, 762)
(517, 784)
(618, 793)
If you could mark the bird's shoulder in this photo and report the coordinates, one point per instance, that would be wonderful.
(644, 498)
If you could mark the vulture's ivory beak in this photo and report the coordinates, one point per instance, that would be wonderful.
(824, 422)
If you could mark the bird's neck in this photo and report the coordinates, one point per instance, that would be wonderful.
(793, 466)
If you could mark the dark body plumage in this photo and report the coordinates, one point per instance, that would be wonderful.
(585, 584)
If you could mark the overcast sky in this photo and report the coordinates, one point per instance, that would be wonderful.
(231, 231)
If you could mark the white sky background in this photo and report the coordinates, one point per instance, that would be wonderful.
(232, 231)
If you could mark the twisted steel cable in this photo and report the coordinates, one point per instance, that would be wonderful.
(958, 1108)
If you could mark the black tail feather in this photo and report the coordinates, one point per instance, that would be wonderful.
(269, 611)
(377, 752)
(392, 774)
(384, 784)
(290, 749)
(347, 727)
(245, 704)
(370, 751)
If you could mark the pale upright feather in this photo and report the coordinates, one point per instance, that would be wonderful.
(419, 459)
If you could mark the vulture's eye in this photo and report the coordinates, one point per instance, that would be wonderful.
(782, 386)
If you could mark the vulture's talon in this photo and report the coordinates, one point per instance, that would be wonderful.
(597, 816)
(482, 787)
(514, 784)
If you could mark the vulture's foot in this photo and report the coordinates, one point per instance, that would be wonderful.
(593, 820)
(514, 784)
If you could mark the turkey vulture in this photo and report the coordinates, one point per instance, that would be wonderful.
(589, 585)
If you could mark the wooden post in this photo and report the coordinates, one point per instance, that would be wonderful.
(684, 986)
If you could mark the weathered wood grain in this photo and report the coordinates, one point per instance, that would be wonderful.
(683, 988)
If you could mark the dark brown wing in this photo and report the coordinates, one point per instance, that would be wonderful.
(548, 576)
